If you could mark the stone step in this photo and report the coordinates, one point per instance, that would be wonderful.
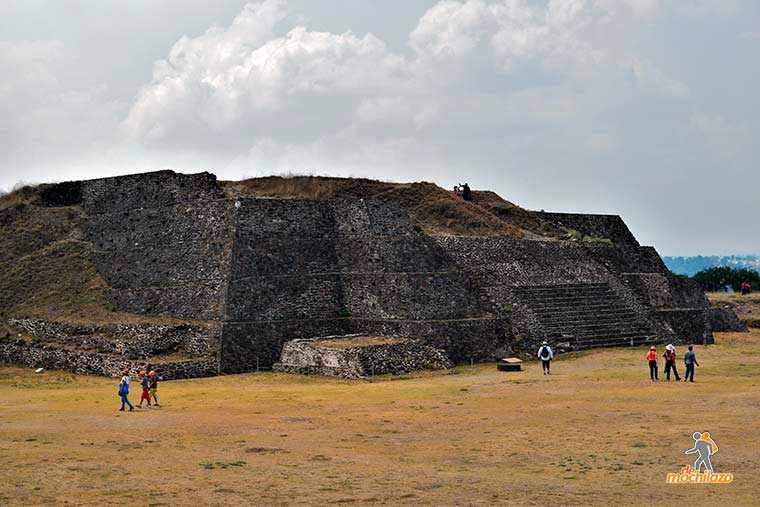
(560, 286)
(602, 336)
(570, 286)
(550, 309)
(559, 318)
(582, 328)
(566, 296)
(585, 316)
(602, 307)
(617, 337)
(571, 302)
(588, 315)
(587, 344)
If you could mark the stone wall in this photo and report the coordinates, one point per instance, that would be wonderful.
(171, 260)
(18, 351)
(253, 345)
(652, 289)
(269, 271)
(687, 293)
(689, 325)
(723, 319)
(611, 227)
(358, 361)
(130, 341)
(303, 269)
(147, 190)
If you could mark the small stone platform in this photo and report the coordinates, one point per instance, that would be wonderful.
(359, 356)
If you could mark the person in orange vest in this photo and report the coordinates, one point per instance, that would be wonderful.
(652, 358)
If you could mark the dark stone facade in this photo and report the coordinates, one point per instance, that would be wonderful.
(724, 319)
(609, 227)
(268, 271)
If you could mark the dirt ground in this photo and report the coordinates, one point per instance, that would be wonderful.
(595, 432)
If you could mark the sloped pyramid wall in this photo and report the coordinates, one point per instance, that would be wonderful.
(318, 268)
(249, 274)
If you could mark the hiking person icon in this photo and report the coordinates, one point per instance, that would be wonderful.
(705, 446)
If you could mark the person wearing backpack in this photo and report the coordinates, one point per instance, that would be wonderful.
(670, 361)
(124, 391)
(546, 355)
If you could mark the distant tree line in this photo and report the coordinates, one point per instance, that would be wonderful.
(719, 277)
(692, 265)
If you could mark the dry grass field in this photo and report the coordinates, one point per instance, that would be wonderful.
(596, 432)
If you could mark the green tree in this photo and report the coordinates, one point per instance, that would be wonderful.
(718, 277)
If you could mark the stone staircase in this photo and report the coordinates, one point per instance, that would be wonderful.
(581, 316)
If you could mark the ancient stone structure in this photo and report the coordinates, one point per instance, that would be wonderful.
(356, 356)
(261, 272)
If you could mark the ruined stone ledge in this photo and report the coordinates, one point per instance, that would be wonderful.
(18, 351)
(127, 340)
(359, 356)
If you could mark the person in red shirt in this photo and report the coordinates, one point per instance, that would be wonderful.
(670, 361)
(144, 383)
(652, 358)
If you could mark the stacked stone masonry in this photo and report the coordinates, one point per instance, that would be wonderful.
(268, 271)
(357, 360)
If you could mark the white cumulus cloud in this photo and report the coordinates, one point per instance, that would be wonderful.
(473, 71)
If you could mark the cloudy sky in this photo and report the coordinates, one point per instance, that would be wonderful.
(645, 108)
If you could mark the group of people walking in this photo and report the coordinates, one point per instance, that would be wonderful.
(149, 384)
(689, 359)
(545, 354)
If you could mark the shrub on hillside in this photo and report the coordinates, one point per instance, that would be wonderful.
(719, 277)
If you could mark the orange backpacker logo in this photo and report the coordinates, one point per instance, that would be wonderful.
(704, 447)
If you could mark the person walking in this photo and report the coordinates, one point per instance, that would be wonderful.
(124, 391)
(546, 355)
(144, 384)
(670, 361)
(652, 358)
(153, 386)
(690, 359)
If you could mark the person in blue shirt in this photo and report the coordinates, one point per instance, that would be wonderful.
(124, 391)
(690, 359)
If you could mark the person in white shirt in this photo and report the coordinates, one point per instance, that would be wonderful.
(546, 355)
